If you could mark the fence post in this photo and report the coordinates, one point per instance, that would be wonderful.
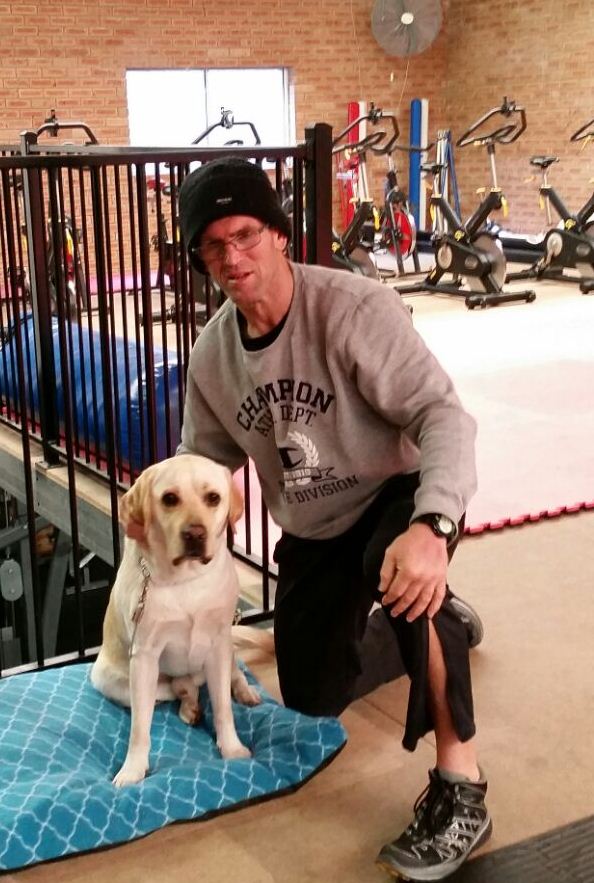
(146, 386)
(40, 295)
(318, 194)
(106, 359)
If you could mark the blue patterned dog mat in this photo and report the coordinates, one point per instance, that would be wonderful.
(61, 742)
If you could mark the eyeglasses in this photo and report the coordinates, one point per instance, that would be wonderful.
(214, 249)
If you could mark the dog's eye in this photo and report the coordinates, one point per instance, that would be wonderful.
(213, 499)
(170, 499)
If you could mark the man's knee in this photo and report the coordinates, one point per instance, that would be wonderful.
(323, 701)
(315, 677)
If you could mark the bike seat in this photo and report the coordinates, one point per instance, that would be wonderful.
(433, 168)
(543, 162)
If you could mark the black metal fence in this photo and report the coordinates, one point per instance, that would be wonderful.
(99, 310)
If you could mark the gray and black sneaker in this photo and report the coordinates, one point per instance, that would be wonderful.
(470, 619)
(451, 821)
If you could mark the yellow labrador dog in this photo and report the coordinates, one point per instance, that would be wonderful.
(167, 628)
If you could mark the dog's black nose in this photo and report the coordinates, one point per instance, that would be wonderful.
(194, 537)
(195, 530)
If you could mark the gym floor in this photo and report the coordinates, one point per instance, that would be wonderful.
(533, 692)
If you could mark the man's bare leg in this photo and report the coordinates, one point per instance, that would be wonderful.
(451, 819)
(452, 754)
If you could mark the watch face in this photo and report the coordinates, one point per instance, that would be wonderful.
(441, 525)
(446, 526)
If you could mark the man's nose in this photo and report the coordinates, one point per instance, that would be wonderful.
(230, 253)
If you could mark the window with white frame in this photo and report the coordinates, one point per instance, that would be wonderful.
(172, 108)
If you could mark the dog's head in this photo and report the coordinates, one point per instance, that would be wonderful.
(179, 509)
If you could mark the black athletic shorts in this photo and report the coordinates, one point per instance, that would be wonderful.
(324, 594)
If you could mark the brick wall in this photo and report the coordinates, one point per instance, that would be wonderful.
(540, 53)
(73, 55)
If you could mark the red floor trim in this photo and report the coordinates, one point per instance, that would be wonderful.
(529, 517)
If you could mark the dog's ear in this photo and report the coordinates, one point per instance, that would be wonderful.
(235, 504)
(134, 509)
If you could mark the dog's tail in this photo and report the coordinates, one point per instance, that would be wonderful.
(247, 637)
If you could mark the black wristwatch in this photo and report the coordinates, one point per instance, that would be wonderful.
(441, 525)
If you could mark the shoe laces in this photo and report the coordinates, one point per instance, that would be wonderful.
(434, 807)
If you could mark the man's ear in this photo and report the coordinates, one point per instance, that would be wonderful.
(280, 241)
(235, 504)
(134, 509)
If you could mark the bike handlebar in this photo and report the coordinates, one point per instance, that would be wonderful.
(371, 141)
(583, 132)
(502, 134)
(414, 148)
(53, 126)
(227, 121)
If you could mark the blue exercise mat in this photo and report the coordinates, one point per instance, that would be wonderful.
(128, 372)
(61, 742)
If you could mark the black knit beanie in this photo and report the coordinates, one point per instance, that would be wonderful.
(224, 187)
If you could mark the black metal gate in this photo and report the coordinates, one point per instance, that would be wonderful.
(99, 310)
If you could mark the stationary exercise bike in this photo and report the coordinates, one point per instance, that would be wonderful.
(64, 247)
(465, 249)
(570, 246)
(351, 248)
(169, 251)
(398, 228)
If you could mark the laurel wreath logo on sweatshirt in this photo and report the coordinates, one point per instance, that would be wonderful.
(312, 457)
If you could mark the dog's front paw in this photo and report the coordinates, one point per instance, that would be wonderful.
(242, 691)
(131, 772)
(233, 750)
(246, 694)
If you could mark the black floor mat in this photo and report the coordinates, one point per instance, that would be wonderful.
(564, 855)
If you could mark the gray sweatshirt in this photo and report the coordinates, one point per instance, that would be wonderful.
(346, 396)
